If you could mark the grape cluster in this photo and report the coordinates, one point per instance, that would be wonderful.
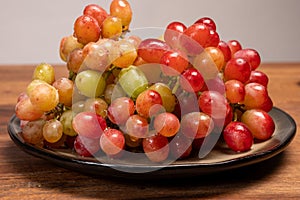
(161, 97)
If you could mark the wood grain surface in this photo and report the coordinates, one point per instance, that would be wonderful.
(23, 176)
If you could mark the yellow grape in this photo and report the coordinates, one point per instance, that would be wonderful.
(44, 72)
(112, 27)
(128, 54)
(122, 10)
(44, 97)
(33, 84)
(67, 45)
(52, 131)
(64, 87)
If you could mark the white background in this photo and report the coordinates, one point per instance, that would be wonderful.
(31, 30)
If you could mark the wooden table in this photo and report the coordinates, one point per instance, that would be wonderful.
(23, 176)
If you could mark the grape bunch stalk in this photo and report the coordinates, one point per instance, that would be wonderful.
(162, 97)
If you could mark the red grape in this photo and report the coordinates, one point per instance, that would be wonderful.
(137, 126)
(96, 12)
(166, 124)
(172, 34)
(258, 77)
(223, 46)
(112, 141)
(238, 137)
(191, 80)
(174, 63)
(208, 22)
(250, 55)
(86, 29)
(235, 91)
(120, 110)
(260, 123)
(234, 46)
(156, 148)
(152, 50)
(85, 146)
(148, 103)
(237, 69)
(89, 124)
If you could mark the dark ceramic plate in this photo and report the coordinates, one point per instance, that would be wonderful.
(219, 159)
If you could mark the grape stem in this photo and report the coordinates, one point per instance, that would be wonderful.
(176, 86)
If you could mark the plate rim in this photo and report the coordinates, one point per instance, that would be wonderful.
(164, 171)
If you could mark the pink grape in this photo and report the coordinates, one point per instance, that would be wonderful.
(156, 148)
(112, 141)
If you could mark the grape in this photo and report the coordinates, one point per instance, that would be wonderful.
(258, 77)
(151, 50)
(256, 96)
(166, 124)
(132, 141)
(90, 83)
(238, 137)
(186, 103)
(66, 120)
(133, 81)
(208, 22)
(213, 103)
(128, 54)
(44, 72)
(64, 87)
(250, 55)
(217, 56)
(196, 125)
(165, 92)
(44, 97)
(67, 45)
(235, 91)
(238, 69)
(97, 56)
(148, 103)
(134, 40)
(191, 80)
(122, 10)
(234, 46)
(26, 111)
(194, 38)
(96, 105)
(85, 146)
(213, 39)
(156, 148)
(89, 124)
(174, 63)
(86, 29)
(173, 33)
(96, 12)
(137, 126)
(112, 141)
(32, 132)
(113, 91)
(75, 60)
(33, 84)
(180, 146)
(78, 106)
(223, 46)
(52, 131)
(112, 27)
(120, 110)
(259, 122)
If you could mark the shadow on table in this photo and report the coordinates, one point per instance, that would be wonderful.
(43, 174)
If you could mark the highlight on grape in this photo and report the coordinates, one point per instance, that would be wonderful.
(147, 96)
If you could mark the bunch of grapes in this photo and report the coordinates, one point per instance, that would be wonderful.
(162, 97)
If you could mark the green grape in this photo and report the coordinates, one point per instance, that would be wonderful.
(44, 72)
(133, 81)
(44, 97)
(66, 121)
(53, 131)
(90, 83)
